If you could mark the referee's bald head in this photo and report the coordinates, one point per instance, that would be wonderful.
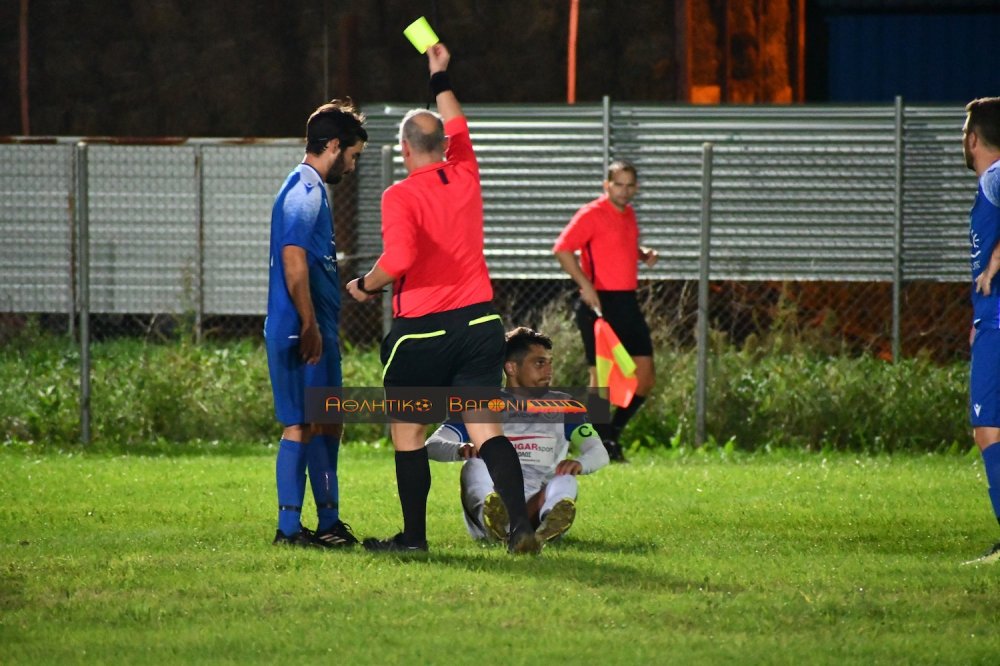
(423, 130)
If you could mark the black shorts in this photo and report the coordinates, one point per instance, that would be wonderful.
(621, 311)
(462, 347)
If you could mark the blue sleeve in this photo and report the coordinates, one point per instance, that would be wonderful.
(990, 183)
(301, 207)
(571, 424)
(459, 428)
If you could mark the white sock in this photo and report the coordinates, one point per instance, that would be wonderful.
(476, 485)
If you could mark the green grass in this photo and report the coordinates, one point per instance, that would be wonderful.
(686, 558)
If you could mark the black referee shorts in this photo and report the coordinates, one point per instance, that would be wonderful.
(462, 347)
(621, 310)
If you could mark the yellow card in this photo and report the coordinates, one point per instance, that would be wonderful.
(421, 35)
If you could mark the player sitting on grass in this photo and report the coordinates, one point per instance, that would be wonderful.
(549, 476)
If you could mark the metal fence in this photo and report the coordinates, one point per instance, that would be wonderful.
(852, 217)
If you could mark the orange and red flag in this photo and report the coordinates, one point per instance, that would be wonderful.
(615, 368)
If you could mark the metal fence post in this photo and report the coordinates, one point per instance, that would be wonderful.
(606, 129)
(71, 221)
(897, 236)
(83, 255)
(386, 182)
(199, 252)
(701, 379)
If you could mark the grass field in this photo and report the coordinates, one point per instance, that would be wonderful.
(698, 558)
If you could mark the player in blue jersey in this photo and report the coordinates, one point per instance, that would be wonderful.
(542, 444)
(981, 145)
(303, 312)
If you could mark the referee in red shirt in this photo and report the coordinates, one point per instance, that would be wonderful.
(445, 331)
(606, 234)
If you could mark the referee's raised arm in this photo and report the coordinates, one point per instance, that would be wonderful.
(447, 104)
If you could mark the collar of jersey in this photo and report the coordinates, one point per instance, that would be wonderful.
(309, 175)
(429, 167)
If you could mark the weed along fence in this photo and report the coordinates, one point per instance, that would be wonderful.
(846, 224)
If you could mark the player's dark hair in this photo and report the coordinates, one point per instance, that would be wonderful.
(520, 341)
(337, 119)
(622, 165)
(421, 141)
(984, 119)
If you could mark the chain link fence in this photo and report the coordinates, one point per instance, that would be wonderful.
(846, 225)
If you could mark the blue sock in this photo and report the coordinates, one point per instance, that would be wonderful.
(991, 461)
(321, 452)
(289, 473)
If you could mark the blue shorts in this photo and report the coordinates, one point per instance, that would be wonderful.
(984, 381)
(290, 376)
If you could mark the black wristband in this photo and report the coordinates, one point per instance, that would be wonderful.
(371, 292)
(440, 83)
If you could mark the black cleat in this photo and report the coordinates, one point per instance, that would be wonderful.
(338, 535)
(394, 545)
(524, 542)
(300, 539)
(614, 450)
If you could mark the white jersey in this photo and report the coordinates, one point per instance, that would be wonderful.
(541, 441)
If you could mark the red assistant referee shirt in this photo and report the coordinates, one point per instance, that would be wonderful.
(432, 233)
(608, 241)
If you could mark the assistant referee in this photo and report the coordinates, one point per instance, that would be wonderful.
(606, 234)
(445, 331)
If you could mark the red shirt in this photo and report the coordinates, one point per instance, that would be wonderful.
(608, 241)
(432, 233)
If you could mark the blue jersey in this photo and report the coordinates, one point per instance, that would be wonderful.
(984, 233)
(301, 216)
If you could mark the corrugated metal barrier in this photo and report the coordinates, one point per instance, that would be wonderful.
(801, 193)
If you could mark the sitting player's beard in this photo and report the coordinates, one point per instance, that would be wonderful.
(529, 391)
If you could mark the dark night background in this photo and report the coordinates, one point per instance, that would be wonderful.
(226, 68)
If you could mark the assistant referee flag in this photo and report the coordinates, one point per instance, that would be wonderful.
(615, 368)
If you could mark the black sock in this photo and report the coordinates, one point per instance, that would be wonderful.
(623, 414)
(606, 431)
(413, 480)
(505, 470)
